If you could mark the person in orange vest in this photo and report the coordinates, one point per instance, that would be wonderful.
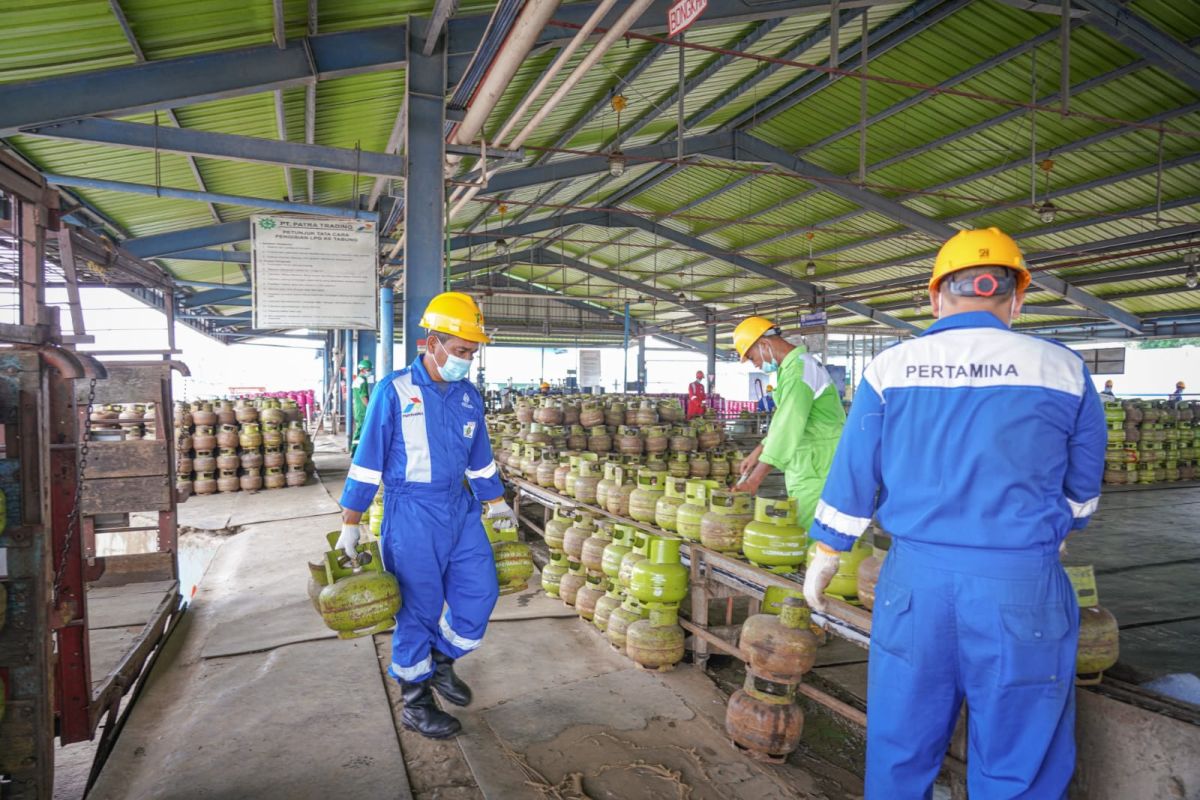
(696, 396)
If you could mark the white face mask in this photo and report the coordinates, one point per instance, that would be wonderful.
(454, 368)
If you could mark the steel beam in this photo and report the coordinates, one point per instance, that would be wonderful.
(204, 254)
(716, 144)
(206, 197)
(222, 145)
(919, 222)
(214, 297)
(526, 228)
(199, 78)
(424, 191)
(387, 335)
(642, 288)
(163, 244)
(1146, 39)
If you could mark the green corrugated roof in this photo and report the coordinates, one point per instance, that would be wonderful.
(769, 216)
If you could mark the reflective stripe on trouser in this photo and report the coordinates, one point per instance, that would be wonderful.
(435, 545)
(998, 628)
(805, 477)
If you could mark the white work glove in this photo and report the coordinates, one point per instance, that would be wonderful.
(818, 574)
(348, 541)
(502, 515)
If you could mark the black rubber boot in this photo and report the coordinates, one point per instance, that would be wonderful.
(449, 685)
(422, 715)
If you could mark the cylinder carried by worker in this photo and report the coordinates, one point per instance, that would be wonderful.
(424, 433)
(807, 420)
(696, 396)
(979, 450)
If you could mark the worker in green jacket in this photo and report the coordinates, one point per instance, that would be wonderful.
(364, 382)
(808, 418)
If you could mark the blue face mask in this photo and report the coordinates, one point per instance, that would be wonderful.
(455, 368)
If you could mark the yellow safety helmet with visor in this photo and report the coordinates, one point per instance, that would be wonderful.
(456, 314)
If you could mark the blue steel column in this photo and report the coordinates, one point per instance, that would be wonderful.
(424, 189)
(386, 333)
(641, 363)
(366, 346)
(625, 371)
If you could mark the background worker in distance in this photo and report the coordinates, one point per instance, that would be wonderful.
(424, 433)
(807, 421)
(979, 450)
(696, 397)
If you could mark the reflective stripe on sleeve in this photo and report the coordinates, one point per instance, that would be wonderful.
(844, 524)
(1084, 509)
(485, 472)
(364, 475)
(461, 642)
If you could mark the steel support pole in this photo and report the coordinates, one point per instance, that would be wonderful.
(348, 401)
(386, 332)
(366, 346)
(625, 370)
(424, 191)
(641, 364)
(711, 352)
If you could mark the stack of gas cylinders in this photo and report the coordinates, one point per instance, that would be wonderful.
(762, 717)
(1151, 441)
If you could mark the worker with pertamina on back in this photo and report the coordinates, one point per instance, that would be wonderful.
(807, 421)
(979, 450)
(424, 433)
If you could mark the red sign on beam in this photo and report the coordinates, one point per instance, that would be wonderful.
(684, 13)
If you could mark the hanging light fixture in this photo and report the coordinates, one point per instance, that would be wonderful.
(502, 246)
(811, 267)
(1046, 210)
(616, 159)
(1192, 280)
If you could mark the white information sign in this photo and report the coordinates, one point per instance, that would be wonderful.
(315, 272)
(589, 368)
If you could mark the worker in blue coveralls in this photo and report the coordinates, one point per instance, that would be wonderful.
(424, 433)
(979, 450)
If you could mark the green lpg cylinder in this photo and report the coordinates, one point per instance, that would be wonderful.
(375, 522)
(656, 643)
(695, 505)
(572, 475)
(618, 497)
(773, 540)
(606, 484)
(607, 604)
(577, 534)
(644, 499)
(638, 551)
(592, 554)
(667, 507)
(594, 587)
(553, 572)
(362, 600)
(620, 619)
(572, 582)
(614, 551)
(845, 583)
(721, 526)
(660, 578)
(677, 465)
(589, 478)
(556, 528)
(514, 566)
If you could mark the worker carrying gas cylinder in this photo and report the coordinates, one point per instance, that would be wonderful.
(807, 421)
(979, 450)
(364, 382)
(696, 397)
(423, 434)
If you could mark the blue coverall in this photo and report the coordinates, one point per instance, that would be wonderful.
(979, 450)
(421, 438)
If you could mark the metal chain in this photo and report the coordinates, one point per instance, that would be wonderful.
(73, 522)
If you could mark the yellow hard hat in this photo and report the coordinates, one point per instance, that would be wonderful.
(770, 388)
(1180, 385)
(457, 314)
(545, 385)
(749, 331)
(989, 247)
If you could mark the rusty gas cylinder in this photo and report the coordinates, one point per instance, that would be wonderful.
(781, 648)
(868, 576)
(766, 725)
(579, 532)
(251, 480)
(592, 555)
(274, 478)
(618, 496)
(589, 594)
(585, 484)
(556, 528)
(227, 481)
(1099, 644)
(722, 525)
(607, 604)
(629, 612)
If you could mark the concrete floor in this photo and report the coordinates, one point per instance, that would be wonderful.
(253, 698)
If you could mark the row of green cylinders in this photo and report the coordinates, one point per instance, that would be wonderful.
(627, 583)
